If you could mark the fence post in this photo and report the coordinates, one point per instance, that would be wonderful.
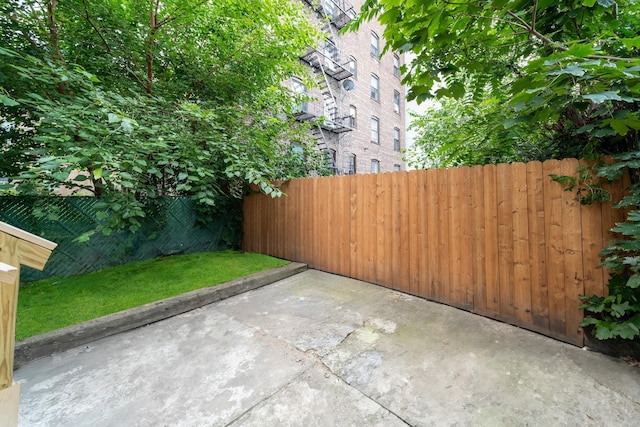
(16, 247)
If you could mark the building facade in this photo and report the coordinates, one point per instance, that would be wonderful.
(357, 107)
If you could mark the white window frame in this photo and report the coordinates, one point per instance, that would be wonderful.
(375, 45)
(396, 139)
(396, 65)
(375, 87)
(396, 101)
(375, 130)
(375, 166)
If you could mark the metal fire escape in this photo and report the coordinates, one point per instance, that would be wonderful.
(331, 70)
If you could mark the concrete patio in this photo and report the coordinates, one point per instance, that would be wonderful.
(324, 350)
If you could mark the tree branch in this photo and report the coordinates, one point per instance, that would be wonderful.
(555, 45)
(88, 19)
(533, 15)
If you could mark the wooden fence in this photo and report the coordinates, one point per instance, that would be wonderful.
(504, 241)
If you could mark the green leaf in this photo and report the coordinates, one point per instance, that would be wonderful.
(601, 97)
(620, 126)
(573, 70)
(581, 50)
(606, 3)
(8, 102)
(634, 281)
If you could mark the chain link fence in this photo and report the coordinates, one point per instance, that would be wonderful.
(172, 226)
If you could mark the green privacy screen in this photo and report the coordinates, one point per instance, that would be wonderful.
(171, 227)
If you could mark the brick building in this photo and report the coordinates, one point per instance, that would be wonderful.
(358, 106)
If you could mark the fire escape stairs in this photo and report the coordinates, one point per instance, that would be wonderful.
(328, 66)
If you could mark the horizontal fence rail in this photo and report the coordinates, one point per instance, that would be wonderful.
(503, 241)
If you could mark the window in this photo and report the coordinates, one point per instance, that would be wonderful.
(396, 168)
(375, 166)
(352, 164)
(352, 116)
(375, 130)
(375, 45)
(299, 89)
(396, 65)
(396, 101)
(330, 54)
(329, 8)
(396, 139)
(329, 109)
(375, 87)
(332, 154)
(331, 159)
(353, 66)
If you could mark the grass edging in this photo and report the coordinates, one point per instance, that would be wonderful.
(63, 339)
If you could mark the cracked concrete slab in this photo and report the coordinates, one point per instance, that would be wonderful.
(319, 349)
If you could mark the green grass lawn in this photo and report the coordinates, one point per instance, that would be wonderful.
(51, 304)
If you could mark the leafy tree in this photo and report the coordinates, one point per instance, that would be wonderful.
(133, 100)
(456, 132)
(569, 66)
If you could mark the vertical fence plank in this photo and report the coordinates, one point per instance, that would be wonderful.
(378, 245)
(353, 226)
(339, 235)
(385, 239)
(362, 226)
(466, 238)
(537, 249)
(521, 256)
(405, 225)
(442, 225)
(491, 239)
(306, 218)
(592, 244)
(291, 241)
(555, 259)
(345, 227)
(372, 223)
(431, 228)
(325, 203)
(505, 240)
(316, 211)
(396, 236)
(478, 224)
(454, 292)
(572, 243)
(415, 255)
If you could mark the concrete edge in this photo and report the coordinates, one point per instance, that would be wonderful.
(63, 339)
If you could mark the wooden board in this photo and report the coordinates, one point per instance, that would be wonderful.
(431, 236)
(9, 405)
(26, 236)
(454, 293)
(572, 245)
(505, 240)
(491, 239)
(521, 255)
(441, 282)
(478, 224)
(537, 246)
(466, 239)
(554, 238)
(415, 231)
